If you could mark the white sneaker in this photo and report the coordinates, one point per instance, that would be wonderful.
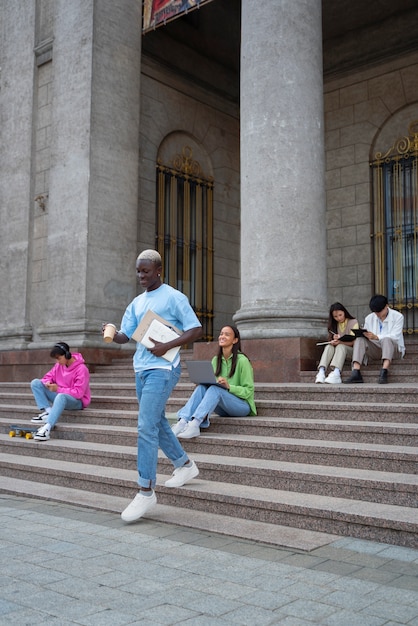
(320, 377)
(42, 434)
(182, 475)
(179, 426)
(138, 507)
(42, 417)
(192, 430)
(333, 378)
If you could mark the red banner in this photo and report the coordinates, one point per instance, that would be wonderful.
(159, 12)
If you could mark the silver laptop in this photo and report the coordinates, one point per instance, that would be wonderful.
(201, 373)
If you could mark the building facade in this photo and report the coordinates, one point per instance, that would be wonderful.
(278, 113)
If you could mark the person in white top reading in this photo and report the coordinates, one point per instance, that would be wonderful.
(382, 341)
(155, 378)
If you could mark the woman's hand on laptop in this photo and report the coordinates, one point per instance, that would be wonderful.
(222, 381)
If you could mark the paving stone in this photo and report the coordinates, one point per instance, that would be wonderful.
(309, 609)
(250, 615)
(394, 611)
(406, 582)
(349, 600)
(99, 574)
(352, 618)
(337, 567)
(379, 575)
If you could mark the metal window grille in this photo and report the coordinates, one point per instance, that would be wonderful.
(395, 225)
(184, 236)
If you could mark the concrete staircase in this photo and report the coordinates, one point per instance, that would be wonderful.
(318, 461)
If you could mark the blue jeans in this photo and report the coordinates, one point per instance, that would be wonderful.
(44, 398)
(206, 400)
(153, 388)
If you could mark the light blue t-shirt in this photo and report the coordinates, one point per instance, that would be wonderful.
(170, 304)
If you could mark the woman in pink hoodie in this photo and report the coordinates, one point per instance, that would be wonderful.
(65, 386)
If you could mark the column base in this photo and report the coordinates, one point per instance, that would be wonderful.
(276, 360)
(266, 319)
(23, 365)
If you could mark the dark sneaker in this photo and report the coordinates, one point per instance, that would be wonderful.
(42, 417)
(355, 377)
(42, 434)
(383, 376)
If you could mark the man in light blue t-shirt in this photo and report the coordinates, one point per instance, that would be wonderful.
(155, 379)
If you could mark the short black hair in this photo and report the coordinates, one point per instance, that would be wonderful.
(377, 303)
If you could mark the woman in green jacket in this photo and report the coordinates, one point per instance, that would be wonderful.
(235, 398)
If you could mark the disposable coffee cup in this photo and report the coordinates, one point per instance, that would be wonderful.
(109, 332)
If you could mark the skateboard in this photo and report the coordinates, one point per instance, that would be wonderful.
(21, 431)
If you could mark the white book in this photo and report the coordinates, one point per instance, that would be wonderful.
(160, 332)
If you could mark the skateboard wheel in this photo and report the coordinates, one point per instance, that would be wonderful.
(12, 433)
(28, 436)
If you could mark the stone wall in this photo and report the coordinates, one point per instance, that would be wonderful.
(364, 111)
(172, 107)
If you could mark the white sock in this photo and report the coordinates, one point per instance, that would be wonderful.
(336, 370)
(322, 368)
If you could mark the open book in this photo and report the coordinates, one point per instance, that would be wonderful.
(152, 326)
(355, 332)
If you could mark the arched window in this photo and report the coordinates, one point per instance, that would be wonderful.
(184, 236)
(395, 225)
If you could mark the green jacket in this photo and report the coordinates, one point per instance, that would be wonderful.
(241, 384)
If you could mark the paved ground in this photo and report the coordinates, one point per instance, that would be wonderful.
(62, 564)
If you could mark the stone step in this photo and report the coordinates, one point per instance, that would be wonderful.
(305, 392)
(324, 430)
(272, 534)
(383, 523)
(405, 374)
(22, 414)
(402, 459)
(357, 411)
(119, 402)
(366, 456)
(109, 408)
(371, 485)
(346, 517)
(314, 447)
(372, 392)
(327, 409)
(387, 433)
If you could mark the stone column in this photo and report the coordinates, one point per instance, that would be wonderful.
(17, 24)
(93, 196)
(283, 236)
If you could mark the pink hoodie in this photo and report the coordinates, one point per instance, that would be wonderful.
(73, 380)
